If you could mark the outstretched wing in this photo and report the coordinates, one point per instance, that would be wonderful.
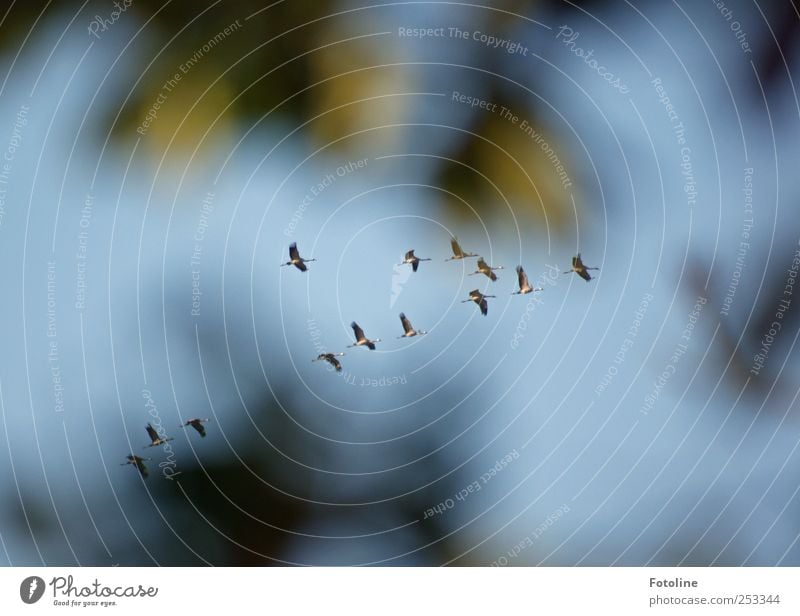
(576, 261)
(483, 266)
(140, 465)
(293, 252)
(523, 278)
(409, 255)
(457, 252)
(415, 264)
(406, 323)
(358, 331)
(334, 362)
(475, 295)
(151, 433)
(197, 425)
(584, 274)
(484, 306)
(301, 266)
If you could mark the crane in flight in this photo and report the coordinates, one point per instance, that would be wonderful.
(413, 260)
(361, 339)
(524, 285)
(155, 439)
(579, 268)
(457, 252)
(480, 299)
(331, 359)
(485, 269)
(197, 424)
(408, 328)
(138, 463)
(295, 258)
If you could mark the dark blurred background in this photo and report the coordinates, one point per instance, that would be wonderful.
(158, 159)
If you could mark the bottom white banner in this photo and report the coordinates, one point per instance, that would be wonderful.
(400, 590)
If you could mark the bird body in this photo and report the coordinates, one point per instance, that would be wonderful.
(413, 260)
(197, 424)
(485, 269)
(155, 439)
(408, 328)
(458, 253)
(524, 285)
(361, 339)
(579, 268)
(331, 359)
(138, 463)
(295, 258)
(480, 299)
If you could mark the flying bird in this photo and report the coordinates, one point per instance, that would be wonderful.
(154, 437)
(361, 339)
(457, 252)
(480, 299)
(524, 285)
(413, 260)
(331, 359)
(295, 258)
(408, 329)
(579, 268)
(485, 269)
(138, 463)
(197, 424)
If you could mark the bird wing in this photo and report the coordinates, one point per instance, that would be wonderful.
(406, 323)
(301, 266)
(523, 278)
(358, 331)
(335, 363)
(151, 433)
(584, 274)
(409, 255)
(482, 265)
(456, 248)
(198, 426)
(484, 306)
(475, 295)
(293, 252)
(415, 264)
(142, 468)
(492, 276)
(576, 261)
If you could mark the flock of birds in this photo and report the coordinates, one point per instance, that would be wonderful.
(361, 339)
(156, 440)
(413, 260)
